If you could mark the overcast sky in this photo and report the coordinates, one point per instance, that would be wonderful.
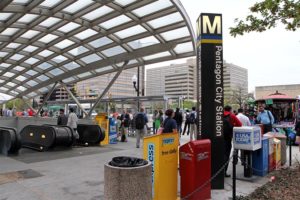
(271, 57)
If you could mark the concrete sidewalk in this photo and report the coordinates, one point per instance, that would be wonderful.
(77, 173)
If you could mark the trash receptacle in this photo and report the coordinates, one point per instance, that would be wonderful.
(128, 178)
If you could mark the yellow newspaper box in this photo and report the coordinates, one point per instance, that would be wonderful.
(277, 153)
(162, 152)
(102, 120)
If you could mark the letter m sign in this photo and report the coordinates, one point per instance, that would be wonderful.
(209, 24)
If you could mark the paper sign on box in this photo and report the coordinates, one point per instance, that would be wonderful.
(247, 138)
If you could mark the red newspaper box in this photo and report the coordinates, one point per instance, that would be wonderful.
(195, 170)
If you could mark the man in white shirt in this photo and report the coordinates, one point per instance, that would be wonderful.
(193, 124)
(246, 122)
(243, 118)
(72, 122)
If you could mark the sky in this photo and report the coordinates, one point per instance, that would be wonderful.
(271, 57)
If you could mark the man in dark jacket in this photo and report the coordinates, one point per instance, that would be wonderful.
(125, 119)
(178, 119)
(62, 118)
(230, 121)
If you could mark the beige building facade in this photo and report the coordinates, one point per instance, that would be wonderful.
(180, 80)
(175, 80)
(235, 79)
(123, 86)
(290, 90)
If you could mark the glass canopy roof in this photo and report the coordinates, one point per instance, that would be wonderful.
(45, 41)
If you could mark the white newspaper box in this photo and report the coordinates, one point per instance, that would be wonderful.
(247, 138)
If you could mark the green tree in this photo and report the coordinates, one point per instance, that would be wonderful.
(267, 14)
(158, 105)
(236, 97)
(187, 104)
(19, 104)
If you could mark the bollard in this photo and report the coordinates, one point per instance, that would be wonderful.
(248, 163)
(234, 162)
(290, 148)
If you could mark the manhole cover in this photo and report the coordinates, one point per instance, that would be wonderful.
(18, 175)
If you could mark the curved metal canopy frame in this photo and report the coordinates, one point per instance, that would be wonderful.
(45, 41)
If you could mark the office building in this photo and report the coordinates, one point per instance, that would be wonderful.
(58, 94)
(174, 80)
(235, 80)
(180, 80)
(123, 86)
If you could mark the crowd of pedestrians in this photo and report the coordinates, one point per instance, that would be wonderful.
(166, 121)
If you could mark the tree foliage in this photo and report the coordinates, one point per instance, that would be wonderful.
(236, 97)
(187, 104)
(267, 14)
(19, 104)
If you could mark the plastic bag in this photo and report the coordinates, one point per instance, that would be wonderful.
(123, 161)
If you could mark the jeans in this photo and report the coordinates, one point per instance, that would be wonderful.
(186, 125)
(179, 128)
(139, 134)
(193, 133)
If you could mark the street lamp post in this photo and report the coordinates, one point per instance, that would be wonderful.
(136, 85)
(183, 98)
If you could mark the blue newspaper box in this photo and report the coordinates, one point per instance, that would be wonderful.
(113, 131)
(260, 160)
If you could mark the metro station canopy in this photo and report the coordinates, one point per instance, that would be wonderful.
(45, 41)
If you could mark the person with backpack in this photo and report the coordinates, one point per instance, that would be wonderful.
(125, 119)
(266, 118)
(187, 123)
(193, 124)
(141, 120)
(229, 121)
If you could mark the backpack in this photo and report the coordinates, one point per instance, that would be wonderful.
(140, 121)
(227, 128)
(187, 118)
(192, 118)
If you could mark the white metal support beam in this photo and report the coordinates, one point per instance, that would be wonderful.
(46, 98)
(73, 97)
(28, 104)
(107, 88)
